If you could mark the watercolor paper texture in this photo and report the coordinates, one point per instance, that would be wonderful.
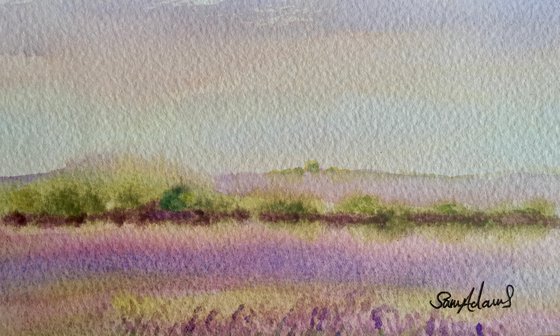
(296, 167)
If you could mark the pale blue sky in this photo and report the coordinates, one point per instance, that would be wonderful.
(448, 86)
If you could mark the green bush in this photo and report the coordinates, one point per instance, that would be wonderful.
(71, 199)
(92, 202)
(58, 197)
(536, 206)
(4, 200)
(289, 171)
(539, 206)
(128, 198)
(212, 202)
(288, 207)
(25, 200)
(360, 204)
(62, 201)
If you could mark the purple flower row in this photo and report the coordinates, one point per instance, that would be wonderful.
(320, 320)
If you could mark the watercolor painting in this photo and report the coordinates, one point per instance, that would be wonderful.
(280, 167)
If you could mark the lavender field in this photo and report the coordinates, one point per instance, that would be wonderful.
(254, 278)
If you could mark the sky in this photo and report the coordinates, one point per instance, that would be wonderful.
(447, 87)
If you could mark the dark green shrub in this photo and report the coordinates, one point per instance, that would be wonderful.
(172, 199)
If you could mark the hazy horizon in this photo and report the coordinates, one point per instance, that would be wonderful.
(438, 87)
(140, 161)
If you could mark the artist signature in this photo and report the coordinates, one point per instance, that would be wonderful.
(444, 300)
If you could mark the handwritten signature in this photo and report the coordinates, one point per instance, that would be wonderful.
(445, 300)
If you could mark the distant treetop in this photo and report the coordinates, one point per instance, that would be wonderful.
(310, 166)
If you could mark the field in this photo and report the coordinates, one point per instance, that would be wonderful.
(256, 278)
(151, 251)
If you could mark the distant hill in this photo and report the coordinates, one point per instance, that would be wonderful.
(109, 165)
(24, 179)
